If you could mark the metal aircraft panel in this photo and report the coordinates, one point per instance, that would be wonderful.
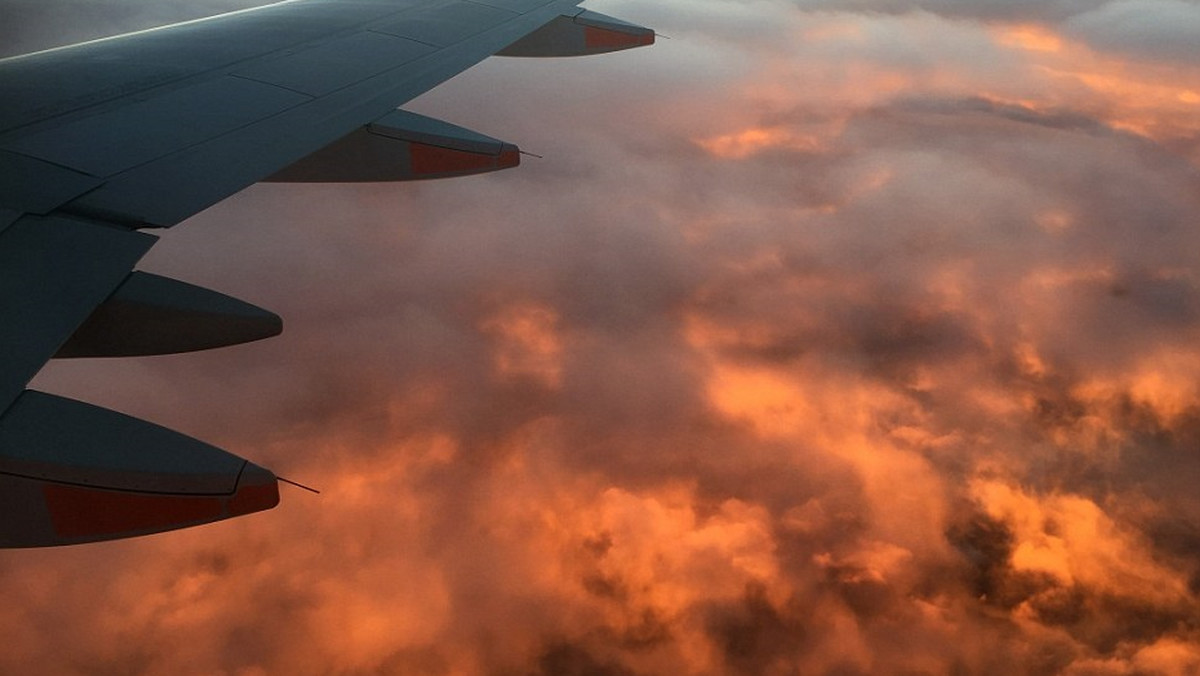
(43, 85)
(164, 192)
(42, 434)
(319, 70)
(36, 187)
(514, 5)
(446, 23)
(108, 143)
(8, 217)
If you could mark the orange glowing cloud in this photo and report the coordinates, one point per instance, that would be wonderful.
(770, 401)
(1163, 381)
(527, 343)
(748, 142)
(1031, 37)
(1027, 64)
(1074, 541)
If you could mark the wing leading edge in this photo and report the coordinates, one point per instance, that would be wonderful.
(103, 140)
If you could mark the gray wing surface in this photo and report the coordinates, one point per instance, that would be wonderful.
(102, 141)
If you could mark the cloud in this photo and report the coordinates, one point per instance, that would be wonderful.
(1146, 29)
(972, 9)
(870, 352)
(1153, 29)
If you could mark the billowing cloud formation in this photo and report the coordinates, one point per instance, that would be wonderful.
(820, 343)
(1155, 28)
(1164, 29)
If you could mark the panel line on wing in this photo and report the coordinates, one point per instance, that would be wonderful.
(335, 64)
(109, 143)
(79, 484)
(419, 42)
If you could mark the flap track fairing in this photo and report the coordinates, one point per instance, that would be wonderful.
(71, 472)
(402, 146)
(149, 314)
(581, 34)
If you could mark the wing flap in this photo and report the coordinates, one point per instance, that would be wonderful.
(53, 272)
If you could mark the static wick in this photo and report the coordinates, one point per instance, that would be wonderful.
(297, 484)
(665, 37)
(532, 155)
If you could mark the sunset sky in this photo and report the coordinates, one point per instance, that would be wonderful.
(829, 337)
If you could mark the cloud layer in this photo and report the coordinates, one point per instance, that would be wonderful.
(850, 341)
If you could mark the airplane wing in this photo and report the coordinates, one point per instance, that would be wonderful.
(105, 141)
